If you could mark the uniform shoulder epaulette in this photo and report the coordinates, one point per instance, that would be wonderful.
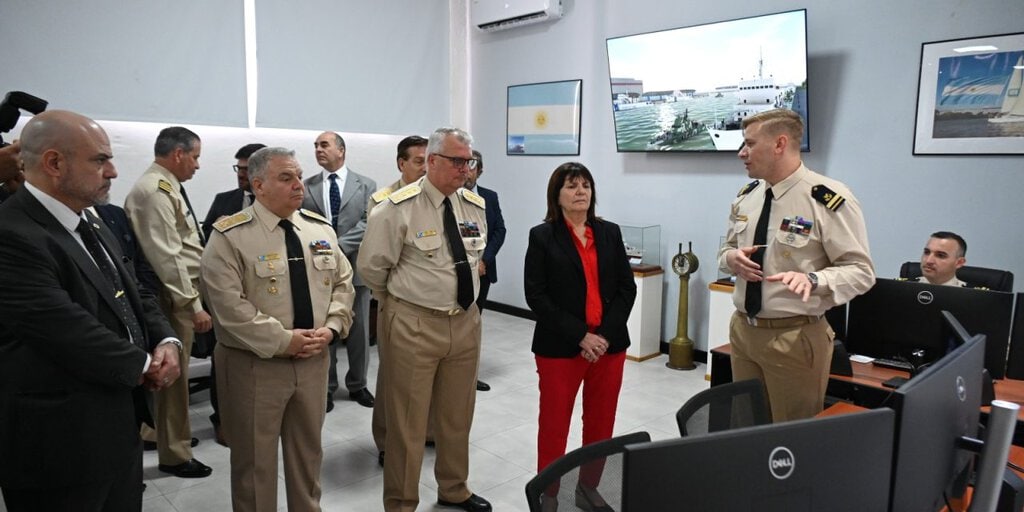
(901, 279)
(748, 187)
(233, 221)
(382, 194)
(166, 186)
(473, 197)
(406, 192)
(827, 197)
(310, 214)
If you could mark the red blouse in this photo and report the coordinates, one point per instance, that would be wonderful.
(588, 255)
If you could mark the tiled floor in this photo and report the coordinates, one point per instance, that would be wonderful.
(503, 440)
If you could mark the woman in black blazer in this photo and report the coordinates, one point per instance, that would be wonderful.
(579, 284)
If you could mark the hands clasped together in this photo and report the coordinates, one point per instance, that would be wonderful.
(164, 367)
(309, 342)
(593, 347)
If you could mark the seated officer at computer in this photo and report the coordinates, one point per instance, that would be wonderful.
(942, 257)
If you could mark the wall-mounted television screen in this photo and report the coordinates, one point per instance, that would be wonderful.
(688, 89)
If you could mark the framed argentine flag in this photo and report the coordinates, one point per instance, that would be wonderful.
(544, 118)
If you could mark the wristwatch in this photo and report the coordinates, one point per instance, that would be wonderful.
(177, 343)
(813, 278)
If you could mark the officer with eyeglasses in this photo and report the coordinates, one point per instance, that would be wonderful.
(419, 256)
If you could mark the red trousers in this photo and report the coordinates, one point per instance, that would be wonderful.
(560, 380)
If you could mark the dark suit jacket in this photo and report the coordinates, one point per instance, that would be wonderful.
(556, 289)
(67, 369)
(117, 221)
(495, 232)
(224, 203)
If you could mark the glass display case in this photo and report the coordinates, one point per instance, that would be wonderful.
(643, 244)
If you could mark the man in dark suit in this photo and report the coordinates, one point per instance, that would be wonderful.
(78, 336)
(233, 201)
(225, 204)
(487, 268)
(341, 195)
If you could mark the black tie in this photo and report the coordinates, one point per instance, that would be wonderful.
(752, 301)
(99, 255)
(192, 213)
(462, 271)
(335, 199)
(301, 304)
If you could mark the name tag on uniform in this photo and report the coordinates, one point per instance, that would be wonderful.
(319, 247)
(469, 229)
(269, 257)
(429, 232)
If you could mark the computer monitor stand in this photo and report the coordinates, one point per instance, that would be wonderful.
(998, 436)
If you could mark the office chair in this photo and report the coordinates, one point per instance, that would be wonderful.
(558, 484)
(975, 277)
(724, 407)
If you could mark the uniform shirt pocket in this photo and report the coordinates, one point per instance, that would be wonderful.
(796, 240)
(325, 262)
(271, 268)
(474, 244)
(428, 244)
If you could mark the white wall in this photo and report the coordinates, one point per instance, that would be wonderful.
(863, 67)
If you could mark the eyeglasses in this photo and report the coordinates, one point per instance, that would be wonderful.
(240, 168)
(459, 162)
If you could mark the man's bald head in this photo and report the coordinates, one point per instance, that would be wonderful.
(67, 155)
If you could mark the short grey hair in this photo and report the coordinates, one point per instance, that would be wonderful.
(260, 161)
(437, 138)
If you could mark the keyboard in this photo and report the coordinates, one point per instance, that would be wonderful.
(895, 364)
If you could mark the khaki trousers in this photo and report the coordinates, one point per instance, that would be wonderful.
(264, 403)
(793, 363)
(427, 354)
(173, 430)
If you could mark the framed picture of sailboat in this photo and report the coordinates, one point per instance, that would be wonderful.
(970, 97)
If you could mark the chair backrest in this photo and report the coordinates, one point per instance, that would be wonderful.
(598, 464)
(975, 277)
(723, 407)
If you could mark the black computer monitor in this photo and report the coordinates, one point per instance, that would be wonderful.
(1015, 362)
(895, 318)
(933, 411)
(838, 463)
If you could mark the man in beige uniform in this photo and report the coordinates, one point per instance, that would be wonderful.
(417, 255)
(275, 308)
(812, 254)
(412, 164)
(169, 235)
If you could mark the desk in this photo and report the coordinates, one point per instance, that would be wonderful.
(865, 387)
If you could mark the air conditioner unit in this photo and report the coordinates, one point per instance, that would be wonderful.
(492, 15)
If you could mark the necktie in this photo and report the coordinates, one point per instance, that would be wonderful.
(301, 304)
(752, 300)
(462, 274)
(246, 200)
(192, 213)
(124, 309)
(335, 199)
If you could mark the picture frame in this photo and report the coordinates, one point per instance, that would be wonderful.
(544, 118)
(970, 98)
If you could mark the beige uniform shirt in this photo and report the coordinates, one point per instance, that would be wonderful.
(168, 235)
(405, 252)
(952, 282)
(804, 235)
(381, 194)
(248, 287)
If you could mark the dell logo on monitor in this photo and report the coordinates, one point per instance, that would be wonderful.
(781, 463)
(961, 388)
(925, 297)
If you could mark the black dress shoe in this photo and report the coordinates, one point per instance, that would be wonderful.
(191, 469)
(330, 403)
(473, 503)
(380, 459)
(590, 500)
(482, 386)
(151, 445)
(363, 396)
